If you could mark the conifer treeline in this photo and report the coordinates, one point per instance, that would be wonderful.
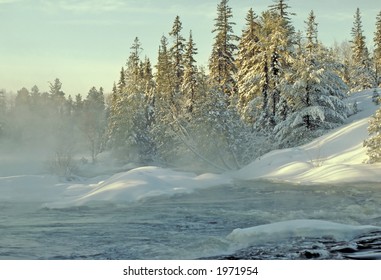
(271, 82)
(270, 87)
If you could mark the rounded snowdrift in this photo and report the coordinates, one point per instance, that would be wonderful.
(137, 184)
(297, 228)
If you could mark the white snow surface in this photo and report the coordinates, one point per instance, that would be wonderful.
(296, 228)
(337, 157)
(137, 184)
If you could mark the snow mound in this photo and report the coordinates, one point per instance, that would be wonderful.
(336, 157)
(297, 228)
(137, 184)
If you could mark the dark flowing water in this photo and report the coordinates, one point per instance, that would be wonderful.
(189, 226)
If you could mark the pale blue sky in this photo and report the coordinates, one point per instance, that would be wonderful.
(86, 42)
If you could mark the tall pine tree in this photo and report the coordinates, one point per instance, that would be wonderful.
(165, 74)
(247, 61)
(361, 76)
(273, 67)
(222, 66)
(281, 8)
(177, 52)
(132, 76)
(189, 85)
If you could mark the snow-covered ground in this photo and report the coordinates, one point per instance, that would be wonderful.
(337, 157)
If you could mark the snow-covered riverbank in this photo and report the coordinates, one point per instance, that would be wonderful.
(337, 157)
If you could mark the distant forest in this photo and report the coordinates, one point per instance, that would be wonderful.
(267, 88)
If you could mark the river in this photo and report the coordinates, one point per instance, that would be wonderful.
(189, 225)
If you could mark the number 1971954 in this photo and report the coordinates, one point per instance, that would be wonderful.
(236, 270)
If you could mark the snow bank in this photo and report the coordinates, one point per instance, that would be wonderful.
(242, 238)
(337, 157)
(138, 184)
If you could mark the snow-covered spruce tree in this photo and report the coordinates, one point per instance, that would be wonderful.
(166, 109)
(311, 33)
(189, 85)
(248, 63)
(164, 74)
(132, 77)
(122, 80)
(129, 133)
(149, 90)
(269, 66)
(373, 143)
(281, 8)
(315, 97)
(117, 113)
(222, 68)
(361, 76)
(112, 115)
(377, 49)
(177, 52)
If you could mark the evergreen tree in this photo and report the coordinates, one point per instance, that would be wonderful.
(166, 104)
(315, 97)
(281, 8)
(177, 52)
(373, 143)
(311, 33)
(377, 49)
(132, 76)
(189, 85)
(122, 81)
(222, 66)
(148, 78)
(117, 113)
(247, 61)
(129, 133)
(271, 64)
(57, 96)
(361, 76)
(149, 90)
(164, 74)
(56, 89)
